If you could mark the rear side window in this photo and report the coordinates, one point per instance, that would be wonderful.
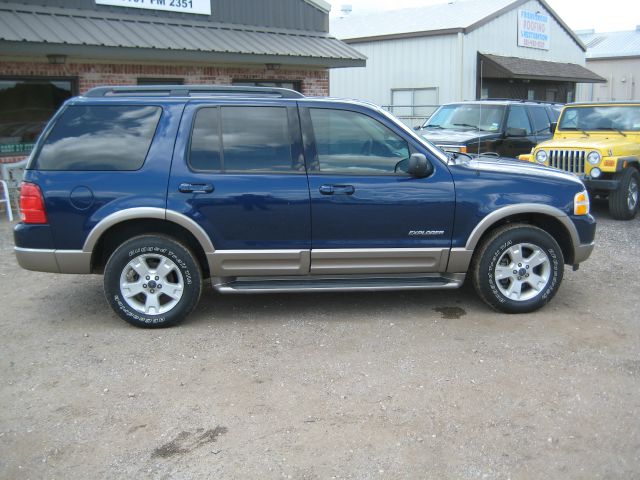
(540, 119)
(242, 139)
(100, 137)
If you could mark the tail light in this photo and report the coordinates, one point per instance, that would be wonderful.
(32, 204)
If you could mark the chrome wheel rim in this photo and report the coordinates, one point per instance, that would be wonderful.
(151, 284)
(522, 272)
(632, 194)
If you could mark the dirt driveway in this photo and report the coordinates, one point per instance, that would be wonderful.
(379, 385)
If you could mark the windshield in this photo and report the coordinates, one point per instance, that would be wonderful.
(605, 117)
(467, 116)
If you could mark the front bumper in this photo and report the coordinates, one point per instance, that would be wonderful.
(582, 252)
(600, 184)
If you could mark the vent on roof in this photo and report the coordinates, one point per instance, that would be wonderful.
(595, 42)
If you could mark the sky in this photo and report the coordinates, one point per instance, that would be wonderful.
(601, 15)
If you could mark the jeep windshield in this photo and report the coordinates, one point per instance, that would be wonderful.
(601, 118)
(487, 118)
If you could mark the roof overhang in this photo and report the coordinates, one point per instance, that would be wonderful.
(495, 66)
(87, 52)
(38, 30)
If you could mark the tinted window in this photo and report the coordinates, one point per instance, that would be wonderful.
(205, 140)
(254, 139)
(518, 118)
(350, 142)
(100, 138)
(554, 112)
(540, 119)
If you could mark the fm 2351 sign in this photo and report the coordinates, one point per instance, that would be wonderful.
(533, 30)
(202, 7)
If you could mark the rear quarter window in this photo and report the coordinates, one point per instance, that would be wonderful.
(99, 137)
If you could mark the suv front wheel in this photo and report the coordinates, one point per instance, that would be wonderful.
(518, 268)
(152, 281)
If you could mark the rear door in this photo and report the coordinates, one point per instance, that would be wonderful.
(369, 215)
(238, 171)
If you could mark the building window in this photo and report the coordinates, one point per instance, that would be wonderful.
(160, 81)
(414, 103)
(26, 105)
(290, 84)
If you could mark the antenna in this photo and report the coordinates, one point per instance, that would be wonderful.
(480, 111)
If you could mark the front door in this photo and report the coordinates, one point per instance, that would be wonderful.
(514, 145)
(369, 215)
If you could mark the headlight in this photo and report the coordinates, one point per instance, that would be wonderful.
(581, 203)
(595, 172)
(594, 158)
(541, 156)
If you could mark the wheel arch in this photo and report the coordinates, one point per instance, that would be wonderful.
(116, 228)
(550, 219)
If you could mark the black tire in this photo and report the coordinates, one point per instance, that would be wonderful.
(623, 202)
(494, 254)
(153, 307)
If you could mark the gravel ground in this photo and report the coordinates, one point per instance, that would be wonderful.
(354, 385)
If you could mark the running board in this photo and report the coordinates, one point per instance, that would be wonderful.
(337, 284)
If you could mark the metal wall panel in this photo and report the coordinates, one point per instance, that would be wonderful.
(290, 14)
(394, 64)
(623, 81)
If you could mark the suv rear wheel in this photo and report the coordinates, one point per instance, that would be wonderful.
(518, 268)
(623, 202)
(152, 281)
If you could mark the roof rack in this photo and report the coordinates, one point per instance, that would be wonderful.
(521, 100)
(191, 91)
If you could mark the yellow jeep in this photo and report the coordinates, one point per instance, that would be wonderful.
(600, 143)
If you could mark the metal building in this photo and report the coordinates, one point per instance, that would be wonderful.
(53, 49)
(616, 57)
(461, 50)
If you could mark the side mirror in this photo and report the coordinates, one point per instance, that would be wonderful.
(552, 127)
(516, 132)
(419, 166)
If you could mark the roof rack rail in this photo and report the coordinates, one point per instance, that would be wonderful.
(521, 100)
(190, 91)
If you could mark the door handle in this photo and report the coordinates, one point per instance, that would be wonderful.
(326, 189)
(195, 188)
(337, 189)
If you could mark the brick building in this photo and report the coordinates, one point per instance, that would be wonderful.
(51, 50)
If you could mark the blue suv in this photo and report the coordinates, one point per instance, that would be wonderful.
(265, 190)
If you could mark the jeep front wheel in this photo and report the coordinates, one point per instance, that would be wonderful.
(518, 268)
(623, 202)
(152, 281)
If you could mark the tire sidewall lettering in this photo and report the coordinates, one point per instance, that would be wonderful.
(499, 250)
